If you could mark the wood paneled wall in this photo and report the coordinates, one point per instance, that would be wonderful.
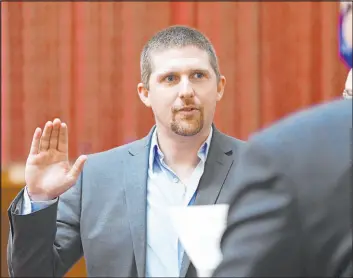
(80, 61)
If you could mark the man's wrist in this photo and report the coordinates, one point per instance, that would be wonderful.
(38, 198)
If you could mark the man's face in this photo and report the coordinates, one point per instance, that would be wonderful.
(183, 90)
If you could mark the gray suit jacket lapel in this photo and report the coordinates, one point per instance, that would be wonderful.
(136, 198)
(217, 166)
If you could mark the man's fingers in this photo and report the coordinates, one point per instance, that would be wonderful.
(35, 141)
(54, 137)
(44, 141)
(63, 145)
(77, 168)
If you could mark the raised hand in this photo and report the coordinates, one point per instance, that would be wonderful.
(48, 172)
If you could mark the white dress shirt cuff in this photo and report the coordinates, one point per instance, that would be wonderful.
(30, 206)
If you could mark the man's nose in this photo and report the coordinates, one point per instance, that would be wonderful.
(185, 89)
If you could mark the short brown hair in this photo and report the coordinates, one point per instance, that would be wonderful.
(175, 37)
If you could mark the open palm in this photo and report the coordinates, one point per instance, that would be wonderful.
(48, 172)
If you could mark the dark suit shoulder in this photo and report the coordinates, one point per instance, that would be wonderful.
(315, 140)
(307, 125)
(291, 201)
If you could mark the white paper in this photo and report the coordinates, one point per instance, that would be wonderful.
(200, 229)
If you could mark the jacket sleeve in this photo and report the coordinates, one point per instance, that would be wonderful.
(45, 242)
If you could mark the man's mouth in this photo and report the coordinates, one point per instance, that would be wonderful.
(188, 109)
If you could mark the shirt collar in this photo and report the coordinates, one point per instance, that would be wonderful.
(156, 153)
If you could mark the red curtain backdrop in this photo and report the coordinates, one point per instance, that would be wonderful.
(80, 61)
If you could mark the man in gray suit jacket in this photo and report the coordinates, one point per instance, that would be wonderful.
(112, 207)
(291, 208)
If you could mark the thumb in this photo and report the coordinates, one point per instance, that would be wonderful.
(77, 168)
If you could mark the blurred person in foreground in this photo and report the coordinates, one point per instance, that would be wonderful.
(291, 209)
(112, 207)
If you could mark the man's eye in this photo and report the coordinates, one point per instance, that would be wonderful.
(170, 78)
(198, 75)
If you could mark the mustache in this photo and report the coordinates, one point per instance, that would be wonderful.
(186, 108)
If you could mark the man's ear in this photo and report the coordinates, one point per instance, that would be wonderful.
(220, 87)
(143, 94)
